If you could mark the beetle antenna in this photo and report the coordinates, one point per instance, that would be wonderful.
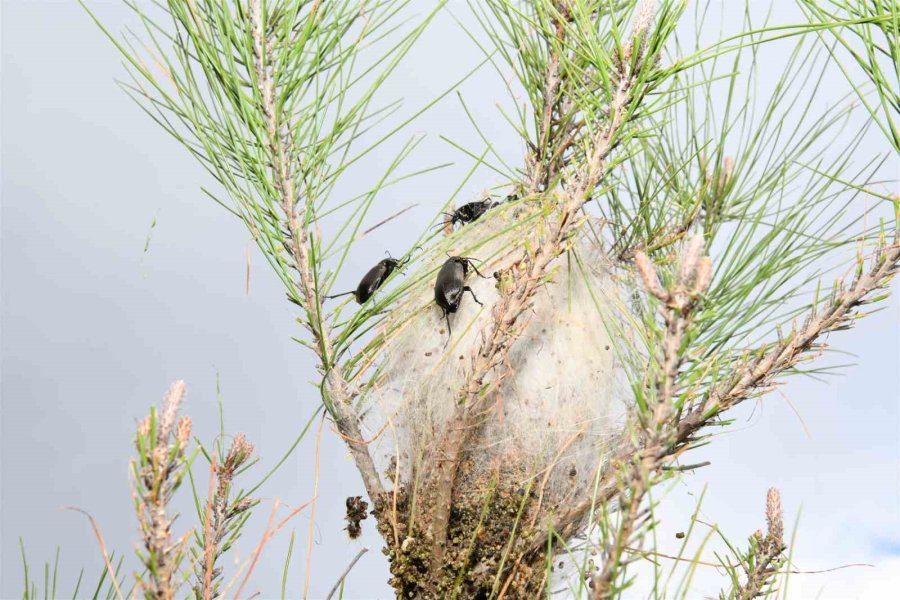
(407, 258)
(339, 295)
(471, 264)
(408, 254)
(469, 259)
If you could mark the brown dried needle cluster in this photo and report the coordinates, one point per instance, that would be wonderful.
(766, 554)
(223, 519)
(356, 513)
(158, 472)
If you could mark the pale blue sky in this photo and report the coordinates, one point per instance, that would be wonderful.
(94, 330)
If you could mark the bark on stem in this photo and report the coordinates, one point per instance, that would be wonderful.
(541, 169)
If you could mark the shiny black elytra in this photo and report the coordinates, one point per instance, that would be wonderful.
(451, 284)
(471, 211)
(374, 279)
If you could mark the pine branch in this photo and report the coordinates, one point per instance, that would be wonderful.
(678, 307)
(279, 142)
(751, 379)
(270, 98)
(224, 517)
(756, 376)
(539, 166)
(158, 472)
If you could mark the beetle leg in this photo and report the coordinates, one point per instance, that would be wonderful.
(474, 297)
(449, 331)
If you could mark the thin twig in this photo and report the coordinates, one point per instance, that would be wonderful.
(719, 565)
(312, 517)
(223, 512)
(267, 534)
(247, 274)
(102, 544)
(209, 552)
(385, 221)
(346, 572)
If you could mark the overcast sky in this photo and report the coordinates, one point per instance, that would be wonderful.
(95, 328)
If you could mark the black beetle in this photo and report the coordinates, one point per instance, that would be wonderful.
(471, 211)
(451, 284)
(374, 279)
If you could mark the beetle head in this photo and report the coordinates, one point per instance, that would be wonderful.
(454, 219)
(466, 263)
